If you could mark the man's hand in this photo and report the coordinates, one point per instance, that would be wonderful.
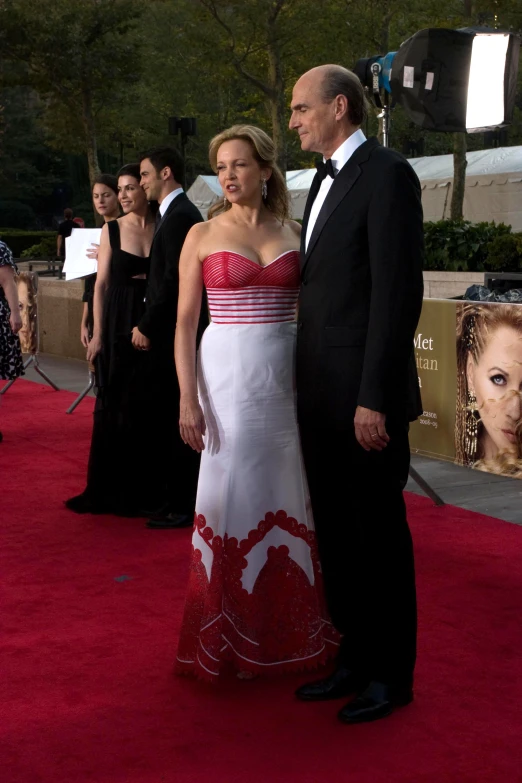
(139, 341)
(370, 429)
(84, 335)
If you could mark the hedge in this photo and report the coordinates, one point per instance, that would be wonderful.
(19, 240)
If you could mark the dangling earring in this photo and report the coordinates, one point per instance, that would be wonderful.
(225, 201)
(264, 189)
(471, 434)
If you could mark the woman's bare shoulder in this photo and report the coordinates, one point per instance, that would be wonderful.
(295, 227)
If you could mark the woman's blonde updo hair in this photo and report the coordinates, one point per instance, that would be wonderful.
(264, 152)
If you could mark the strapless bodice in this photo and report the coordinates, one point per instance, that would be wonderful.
(240, 291)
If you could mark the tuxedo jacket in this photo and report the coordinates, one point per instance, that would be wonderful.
(159, 320)
(361, 293)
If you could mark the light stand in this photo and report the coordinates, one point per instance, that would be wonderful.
(453, 81)
(382, 100)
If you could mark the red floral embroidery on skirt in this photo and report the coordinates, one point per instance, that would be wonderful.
(279, 626)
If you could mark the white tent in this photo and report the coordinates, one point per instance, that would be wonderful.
(206, 190)
(493, 187)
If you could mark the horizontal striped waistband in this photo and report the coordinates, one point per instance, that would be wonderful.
(256, 304)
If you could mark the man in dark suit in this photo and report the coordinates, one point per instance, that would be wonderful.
(357, 388)
(161, 174)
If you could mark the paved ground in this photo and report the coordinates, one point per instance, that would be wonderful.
(471, 489)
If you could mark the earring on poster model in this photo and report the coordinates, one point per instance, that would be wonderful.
(264, 188)
(471, 428)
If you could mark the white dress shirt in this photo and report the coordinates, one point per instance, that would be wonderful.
(340, 157)
(167, 201)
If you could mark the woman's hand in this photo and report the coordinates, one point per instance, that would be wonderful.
(84, 335)
(94, 348)
(15, 321)
(92, 252)
(192, 423)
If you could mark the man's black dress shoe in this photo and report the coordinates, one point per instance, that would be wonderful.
(170, 521)
(377, 701)
(341, 683)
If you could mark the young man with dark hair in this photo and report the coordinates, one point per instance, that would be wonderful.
(162, 172)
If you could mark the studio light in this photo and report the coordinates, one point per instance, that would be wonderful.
(449, 80)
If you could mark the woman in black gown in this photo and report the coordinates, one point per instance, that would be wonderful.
(119, 436)
(105, 202)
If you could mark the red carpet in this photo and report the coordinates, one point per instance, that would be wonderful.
(91, 608)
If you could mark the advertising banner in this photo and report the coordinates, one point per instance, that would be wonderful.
(27, 284)
(469, 364)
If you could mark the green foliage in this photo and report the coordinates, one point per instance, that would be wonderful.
(100, 78)
(459, 245)
(504, 253)
(44, 249)
(16, 214)
(19, 241)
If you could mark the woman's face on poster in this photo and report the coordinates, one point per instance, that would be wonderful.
(25, 332)
(496, 382)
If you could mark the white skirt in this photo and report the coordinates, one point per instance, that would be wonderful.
(255, 592)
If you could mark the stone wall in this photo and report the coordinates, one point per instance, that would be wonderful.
(446, 285)
(60, 308)
(60, 313)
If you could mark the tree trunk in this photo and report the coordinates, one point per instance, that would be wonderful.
(90, 135)
(459, 176)
(276, 99)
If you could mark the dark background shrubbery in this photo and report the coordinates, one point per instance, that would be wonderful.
(19, 240)
(451, 245)
(462, 246)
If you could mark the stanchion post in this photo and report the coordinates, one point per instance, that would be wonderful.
(90, 385)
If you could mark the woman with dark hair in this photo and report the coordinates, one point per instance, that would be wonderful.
(11, 365)
(106, 204)
(119, 429)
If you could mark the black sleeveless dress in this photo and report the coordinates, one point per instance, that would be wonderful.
(120, 431)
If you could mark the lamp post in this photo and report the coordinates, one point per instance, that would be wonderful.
(187, 126)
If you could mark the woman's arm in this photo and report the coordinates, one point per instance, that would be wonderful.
(7, 281)
(84, 328)
(191, 420)
(102, 283)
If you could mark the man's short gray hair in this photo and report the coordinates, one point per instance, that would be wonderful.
(340, 81)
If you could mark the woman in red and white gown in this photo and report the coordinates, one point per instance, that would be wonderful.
(255, 593)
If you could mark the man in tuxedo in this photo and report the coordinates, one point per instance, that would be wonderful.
(162, 172)
(357, 388)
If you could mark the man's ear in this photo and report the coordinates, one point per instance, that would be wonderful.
(341, 107)
(166, 172)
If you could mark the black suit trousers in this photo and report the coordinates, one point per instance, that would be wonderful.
(177, 464)
(365, 547)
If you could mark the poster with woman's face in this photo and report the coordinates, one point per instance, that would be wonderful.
(469, 363)
(27, 283)
(489, 404)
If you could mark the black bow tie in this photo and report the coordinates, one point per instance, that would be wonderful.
(326, 169)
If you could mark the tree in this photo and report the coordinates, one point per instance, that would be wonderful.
(77, 54)
(270, 42)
